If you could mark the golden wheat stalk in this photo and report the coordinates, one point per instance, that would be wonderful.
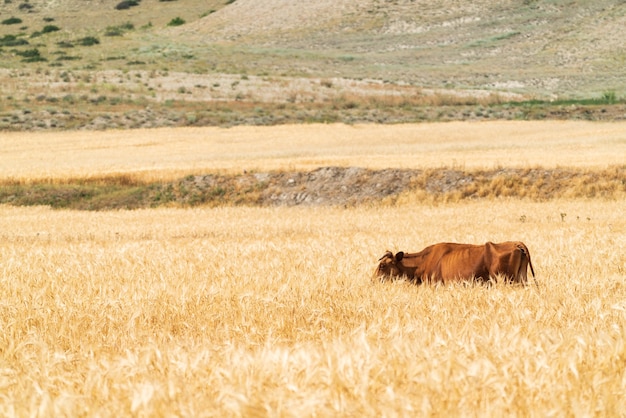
(251, 311)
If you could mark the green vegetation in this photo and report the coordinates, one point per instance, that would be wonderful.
(12, 40)
(46, 29)
(88, 41)
(31, 55)
(607, 98)
(50, 28)
(12, 21)
(65, 44)
(177, 21)
(126, 4)
(119, 30)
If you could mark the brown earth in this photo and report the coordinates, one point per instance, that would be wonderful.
(353, 185)
(325, 186)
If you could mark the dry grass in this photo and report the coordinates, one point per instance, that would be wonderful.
(51, 86)
(168, 153)
(271, 312)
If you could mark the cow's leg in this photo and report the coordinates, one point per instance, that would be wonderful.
(510, 266)
(504, 263)
(526, 263)
(522, 273)
(499, 263)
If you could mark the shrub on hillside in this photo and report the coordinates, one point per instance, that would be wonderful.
(46, 29)
(68, 58)
(12, 21)
(88, 41)
(31, 55)
(65, 44)
(113, 31)
(118, 30)
(126, 4)
(28, 53)
(12, 40)
(50, 28)
(177, 21)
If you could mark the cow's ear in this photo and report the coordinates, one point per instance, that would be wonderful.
(399, 256)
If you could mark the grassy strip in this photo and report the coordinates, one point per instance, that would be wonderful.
(528, 183)
(116, 113)
(291, 188)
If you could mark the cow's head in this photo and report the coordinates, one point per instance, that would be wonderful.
(388, 265)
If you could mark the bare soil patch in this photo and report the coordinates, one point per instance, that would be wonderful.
(351, 186)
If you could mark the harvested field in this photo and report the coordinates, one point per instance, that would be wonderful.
(169, 153)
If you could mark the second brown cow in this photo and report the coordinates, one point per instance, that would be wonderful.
(448, 262)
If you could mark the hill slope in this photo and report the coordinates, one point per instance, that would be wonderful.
(559, 47)
(571, 47)
(68, 64)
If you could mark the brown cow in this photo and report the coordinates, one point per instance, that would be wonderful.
(447, 262)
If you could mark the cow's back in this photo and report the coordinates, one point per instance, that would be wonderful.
(453, 262)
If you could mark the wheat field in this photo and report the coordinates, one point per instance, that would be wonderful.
(247, 311)
(167, 153)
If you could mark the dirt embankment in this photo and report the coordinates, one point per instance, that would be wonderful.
(353, 185)
(339, 186)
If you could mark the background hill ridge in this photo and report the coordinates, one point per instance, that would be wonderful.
(530, 49)
(553, 47)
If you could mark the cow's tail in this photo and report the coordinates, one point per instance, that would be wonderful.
(526, 253)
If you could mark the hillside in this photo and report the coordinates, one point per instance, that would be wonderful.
(277, 61)
(531, 46)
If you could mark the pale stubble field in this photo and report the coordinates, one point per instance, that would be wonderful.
(244, 311)
(167, 153)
